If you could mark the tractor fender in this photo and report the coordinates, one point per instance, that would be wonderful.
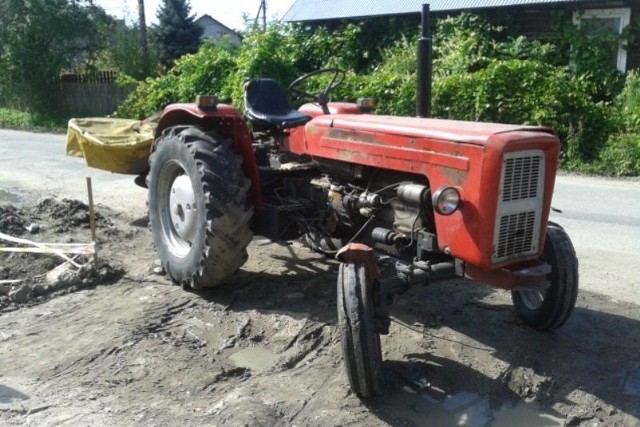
(359, 252)
(227, 121)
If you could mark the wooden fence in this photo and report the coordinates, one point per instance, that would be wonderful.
(91, 95)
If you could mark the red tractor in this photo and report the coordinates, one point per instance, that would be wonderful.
(421, 199)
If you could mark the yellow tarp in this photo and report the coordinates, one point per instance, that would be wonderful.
(116, 145)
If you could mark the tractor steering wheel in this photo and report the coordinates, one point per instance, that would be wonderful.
(322, 97)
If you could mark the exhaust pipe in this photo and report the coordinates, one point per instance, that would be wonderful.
(423, 92)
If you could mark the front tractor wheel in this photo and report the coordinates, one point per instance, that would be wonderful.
(548, 309)
(198, 207)
(361, 353)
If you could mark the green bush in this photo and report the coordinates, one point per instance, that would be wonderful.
(481, 75)
(218, 69)
(205, 72)
(525, 92)
(14, 118)
(319, 47)
(392, 83)
(621, 154)
(10, 118)
(627, 103)
(464, 43)
(587, 55)
(620, 157)
(468, 43)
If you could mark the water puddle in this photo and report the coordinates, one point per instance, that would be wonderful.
(7, 197)
(241, 346)
(260, 358)
(10, 395)
(524, 415)
(208, 328)
(464, 409)
(254, 358)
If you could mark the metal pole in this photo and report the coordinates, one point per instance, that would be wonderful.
(264, 15)
(92, 221)
(144, 42)
(423, 91)
(262, 9)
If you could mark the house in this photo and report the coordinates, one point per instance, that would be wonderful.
(214, 30)
(533, 17)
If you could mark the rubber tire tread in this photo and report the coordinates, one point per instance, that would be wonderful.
(221, 188)
(360, 343)
(561, 296)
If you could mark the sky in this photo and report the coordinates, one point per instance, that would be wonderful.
(227, 12)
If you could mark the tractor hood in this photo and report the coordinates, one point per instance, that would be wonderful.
(436, 129)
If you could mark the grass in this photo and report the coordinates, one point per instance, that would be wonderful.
(15, 119)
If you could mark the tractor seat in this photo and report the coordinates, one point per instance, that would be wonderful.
(267, 106)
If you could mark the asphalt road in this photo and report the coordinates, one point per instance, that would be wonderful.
(34, 165)
(602, 216)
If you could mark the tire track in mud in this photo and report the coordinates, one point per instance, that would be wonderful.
(101, 361)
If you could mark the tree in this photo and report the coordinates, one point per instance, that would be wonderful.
(123, 52)
(38, 40)
(176, 33)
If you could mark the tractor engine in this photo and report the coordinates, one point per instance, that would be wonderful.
(389, 211)
(332, 203)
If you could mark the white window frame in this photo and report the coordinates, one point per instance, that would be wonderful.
(625, 18)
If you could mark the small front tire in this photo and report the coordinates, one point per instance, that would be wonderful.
(362, 356)
(550, 308)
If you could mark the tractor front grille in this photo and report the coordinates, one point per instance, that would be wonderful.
(519, 211)
(521, 178)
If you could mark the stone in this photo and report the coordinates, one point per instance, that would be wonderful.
(5, 289)
(20, 294)
(62, 276)
(33, 228)
(39, 289)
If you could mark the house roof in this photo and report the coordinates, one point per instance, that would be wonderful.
(318, 10)
(206, 17)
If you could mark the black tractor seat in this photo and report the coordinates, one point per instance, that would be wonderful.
(268, 108)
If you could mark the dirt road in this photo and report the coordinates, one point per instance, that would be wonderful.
(122, 346)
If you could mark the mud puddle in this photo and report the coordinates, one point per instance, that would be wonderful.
(467, 409)
(7, 197)
(254, 358)
(253, 341)
(524, 415)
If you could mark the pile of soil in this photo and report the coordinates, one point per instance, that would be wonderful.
(122, 345)
(37, 277)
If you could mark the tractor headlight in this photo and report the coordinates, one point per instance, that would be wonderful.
(446, 200)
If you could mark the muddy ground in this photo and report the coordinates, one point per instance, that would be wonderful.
(117, 344)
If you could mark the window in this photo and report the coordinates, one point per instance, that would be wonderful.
(596, 21)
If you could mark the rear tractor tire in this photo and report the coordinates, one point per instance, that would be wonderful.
(548, 309)
(358, 295)
(198, 208)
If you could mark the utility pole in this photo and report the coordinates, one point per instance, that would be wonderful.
(264, 15)
(144, 43)
(263, 10)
